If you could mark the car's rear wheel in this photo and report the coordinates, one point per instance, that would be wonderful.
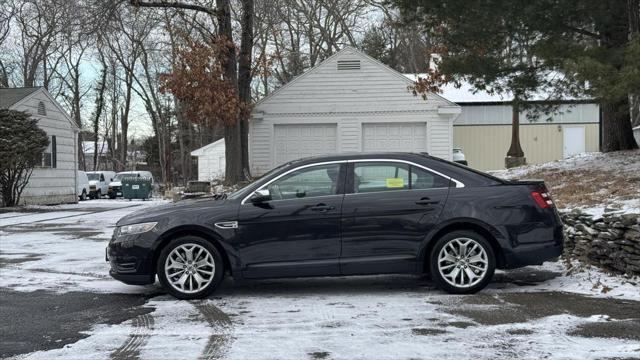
(83, 196)
(462, 262)
(190, 267)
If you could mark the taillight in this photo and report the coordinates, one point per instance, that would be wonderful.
(542, 198)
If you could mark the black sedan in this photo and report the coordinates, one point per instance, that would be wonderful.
(344, 215)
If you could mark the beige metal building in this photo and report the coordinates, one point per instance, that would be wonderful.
(483, 131)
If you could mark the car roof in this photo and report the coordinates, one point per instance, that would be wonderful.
(361, 155)
(459, 172)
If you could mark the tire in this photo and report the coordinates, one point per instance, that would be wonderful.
(83, 196)
(443, 271)
(99, 194)
(191, 289)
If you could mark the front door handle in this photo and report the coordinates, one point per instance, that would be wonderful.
(322, 207)
(427, 201)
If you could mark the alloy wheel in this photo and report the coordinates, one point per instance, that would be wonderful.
(189, 268)
(463, 262)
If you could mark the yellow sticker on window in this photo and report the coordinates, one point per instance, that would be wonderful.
(395, 183)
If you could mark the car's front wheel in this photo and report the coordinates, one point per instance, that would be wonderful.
(190, 267)
(462, 262)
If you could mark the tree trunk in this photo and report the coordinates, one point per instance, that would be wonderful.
(515, 155)
(184, 154)
(102, 85)
(615, 32)
(617, 133)
(124, 120)
(232, 132)
(244, 81)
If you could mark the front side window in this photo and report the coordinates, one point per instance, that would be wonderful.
(321, 180)
(392, 176)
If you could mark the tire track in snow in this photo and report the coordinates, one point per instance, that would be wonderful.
(142, 326)
(220, 339)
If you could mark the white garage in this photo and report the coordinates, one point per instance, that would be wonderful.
(348, 103)
(295, 141)
(211, 161)
(395, 137)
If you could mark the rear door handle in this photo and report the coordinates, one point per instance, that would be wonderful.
(427, 201)
(322, 208)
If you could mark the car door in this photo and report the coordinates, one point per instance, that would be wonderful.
(296, 232)
(389, 208)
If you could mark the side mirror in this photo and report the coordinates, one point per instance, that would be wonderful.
(260, 196)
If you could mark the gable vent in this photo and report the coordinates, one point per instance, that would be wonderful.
(348, 64)
(41, 109)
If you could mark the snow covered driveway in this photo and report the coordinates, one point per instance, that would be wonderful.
(57, 301)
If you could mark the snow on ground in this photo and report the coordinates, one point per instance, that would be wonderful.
(580, 279)
(63, 250)
(357, 317)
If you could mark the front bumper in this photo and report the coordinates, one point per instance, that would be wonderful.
(115, 191)
(131, 259)
(133, 279)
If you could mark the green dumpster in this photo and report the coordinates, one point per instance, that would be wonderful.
(136, 188)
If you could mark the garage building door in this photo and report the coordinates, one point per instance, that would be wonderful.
(411, 137)
(296, 141)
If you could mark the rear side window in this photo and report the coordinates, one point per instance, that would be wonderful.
(391, 176)
(423, 179)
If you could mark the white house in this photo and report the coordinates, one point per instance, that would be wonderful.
(54, 180)
(211, 161)
(348, 103)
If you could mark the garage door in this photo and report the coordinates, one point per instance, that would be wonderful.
(298, 141)
(411, 137)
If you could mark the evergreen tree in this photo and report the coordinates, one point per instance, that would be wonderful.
(21, 145)
(586, 48)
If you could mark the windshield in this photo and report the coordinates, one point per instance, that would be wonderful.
(244, 191)
(121, 176)
(93, 176)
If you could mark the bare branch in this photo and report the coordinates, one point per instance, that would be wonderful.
(173, 5)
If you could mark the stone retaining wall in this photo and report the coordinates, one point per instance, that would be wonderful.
(611, 242)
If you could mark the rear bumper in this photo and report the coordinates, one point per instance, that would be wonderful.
(534, 254)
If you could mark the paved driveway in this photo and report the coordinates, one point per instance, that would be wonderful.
(56, 301)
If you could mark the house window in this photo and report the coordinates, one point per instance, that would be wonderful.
(41, 109)
(49, 158)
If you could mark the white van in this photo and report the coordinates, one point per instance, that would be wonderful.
(82, 185)
(99, 183)
(115, 187)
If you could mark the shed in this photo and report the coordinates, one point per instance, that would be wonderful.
(53, 181)
(211, 161)
(348, 103)
(483, 129)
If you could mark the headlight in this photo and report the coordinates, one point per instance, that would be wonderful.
(136, 228)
